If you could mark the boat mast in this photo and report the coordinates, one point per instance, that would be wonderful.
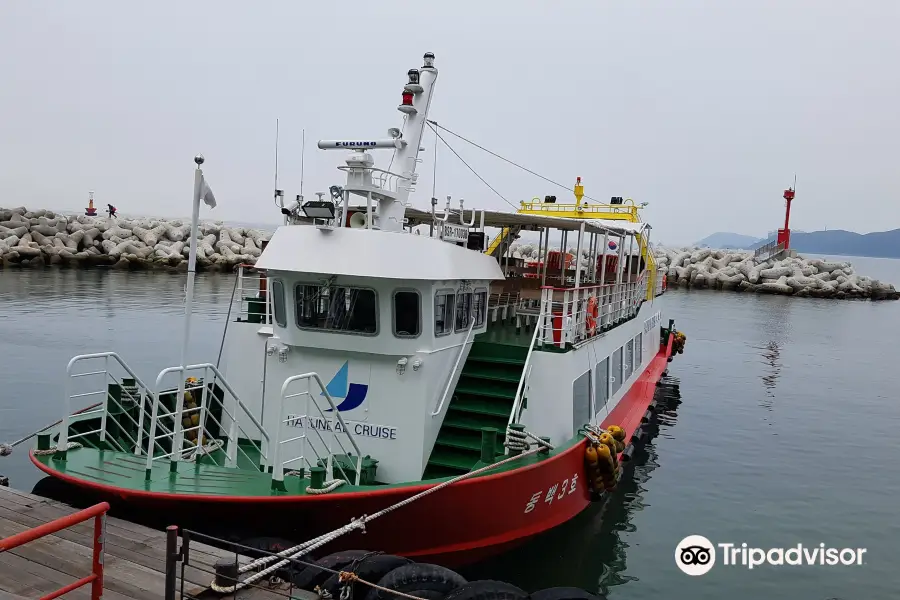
(390, 189)
(416, 104)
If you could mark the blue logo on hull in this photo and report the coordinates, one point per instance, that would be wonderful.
(340, 388)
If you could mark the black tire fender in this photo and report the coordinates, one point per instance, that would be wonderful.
(565, 593)
(423, 580)
(308, 578)
(487, 589)
(266, 545)
(371, 568)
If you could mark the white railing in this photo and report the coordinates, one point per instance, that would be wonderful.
(209, 379)
(333, 423)
(566, 318)
(768, 251)
(661, 283)
(456, 367)
(377, 178)
(253, 287)
(129, 397)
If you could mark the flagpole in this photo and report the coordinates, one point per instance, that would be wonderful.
(178, 434)
(192, 259)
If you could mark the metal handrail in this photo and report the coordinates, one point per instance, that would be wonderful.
(277, 463)
(615, 301)
(178, 430)
(770, 249)
(67, 405)
(96, 512)
(584, 207)
(459, 356)
(243, 298)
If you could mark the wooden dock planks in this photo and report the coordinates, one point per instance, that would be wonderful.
(134, 567)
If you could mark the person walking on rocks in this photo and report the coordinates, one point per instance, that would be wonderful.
(111, 210)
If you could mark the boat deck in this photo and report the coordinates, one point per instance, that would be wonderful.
(134, 561)
(121, 470)
(505, 334)
(110, 468)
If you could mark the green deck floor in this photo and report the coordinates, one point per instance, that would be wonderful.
(504, 333)
(127, 471)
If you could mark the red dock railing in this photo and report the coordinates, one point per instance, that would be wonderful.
(96, 512)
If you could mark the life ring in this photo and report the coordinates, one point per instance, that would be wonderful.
(592, 315)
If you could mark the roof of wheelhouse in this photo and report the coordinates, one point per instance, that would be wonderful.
(372, 253)
(494, 218)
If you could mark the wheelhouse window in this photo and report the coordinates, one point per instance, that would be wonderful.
(602, 385)
(479, 307)
(339, 309)
(278, 307)
(444, 307)
(463, 311)
(628, 365)
(407, 317)
(616, 376)
(639, 350)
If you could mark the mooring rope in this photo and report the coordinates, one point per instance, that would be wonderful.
(54, 450)
(299, 550)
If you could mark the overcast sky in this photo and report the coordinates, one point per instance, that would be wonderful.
(703, 109)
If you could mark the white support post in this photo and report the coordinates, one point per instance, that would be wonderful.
(617, 292)
(105, 412)
(631, 282)
(138, 445)
(578, 255)
(544, 258)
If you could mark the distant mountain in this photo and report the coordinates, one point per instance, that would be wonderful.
(724, 239)
(879, 244)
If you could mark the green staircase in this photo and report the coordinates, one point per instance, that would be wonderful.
(483, 397)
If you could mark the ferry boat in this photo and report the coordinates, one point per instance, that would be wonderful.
(378, 351)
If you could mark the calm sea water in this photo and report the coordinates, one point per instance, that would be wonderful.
(785, 434)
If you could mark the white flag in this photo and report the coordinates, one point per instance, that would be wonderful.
(206, 193)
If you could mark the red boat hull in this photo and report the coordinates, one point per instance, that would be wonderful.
(462, 523)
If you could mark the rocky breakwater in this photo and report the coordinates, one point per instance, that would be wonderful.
(41, 237)
(794, 275)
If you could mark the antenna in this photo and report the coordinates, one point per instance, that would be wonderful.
(302, 152)
(278, 193)
(795, 183)
(276, 153)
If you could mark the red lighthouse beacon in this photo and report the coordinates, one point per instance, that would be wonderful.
(784, 235)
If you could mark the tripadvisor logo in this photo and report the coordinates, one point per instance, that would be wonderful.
(696, 555)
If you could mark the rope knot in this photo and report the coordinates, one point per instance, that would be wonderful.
(347, 577)
(358, 523)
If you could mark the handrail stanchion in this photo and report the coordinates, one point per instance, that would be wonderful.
(204, 409)
(105, 402)
(177, 426)
(139, 443)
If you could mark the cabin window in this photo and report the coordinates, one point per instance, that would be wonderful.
(602, 385)
(639, 350)
(616, 376)
(278, 307)
(463, 311)
(407, 317)
(628, 366)
(444, 307)
(480, 307)
(340, 309)
(581, 401)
